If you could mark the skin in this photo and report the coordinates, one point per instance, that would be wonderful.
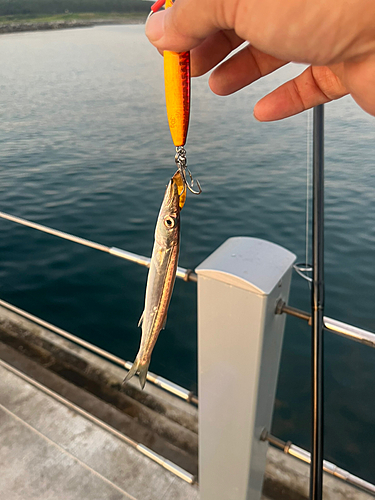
(336, 38)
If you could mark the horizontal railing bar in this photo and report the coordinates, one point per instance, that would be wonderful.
(54, 232)
(351, 332)
(301, 454)
(182, 273)
(164, 462)
(288, 447)
(161, 382)
(333, 325)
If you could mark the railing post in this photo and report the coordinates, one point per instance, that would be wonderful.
(239, 346)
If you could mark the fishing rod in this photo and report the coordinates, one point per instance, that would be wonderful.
(317, 307)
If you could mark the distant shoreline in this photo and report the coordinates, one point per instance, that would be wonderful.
(34, 25)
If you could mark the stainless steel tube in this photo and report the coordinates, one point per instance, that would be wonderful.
(345, 330)
(164, 462)
(332, 469)
(349, 331)
(182, 273)
(54, 232)
(151, 377)
(291, 449)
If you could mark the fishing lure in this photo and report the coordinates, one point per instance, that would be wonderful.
(177, 92)
(177, 81)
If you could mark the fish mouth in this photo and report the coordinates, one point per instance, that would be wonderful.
(171, 193)
(175, 192)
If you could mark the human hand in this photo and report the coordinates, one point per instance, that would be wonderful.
(335, 37)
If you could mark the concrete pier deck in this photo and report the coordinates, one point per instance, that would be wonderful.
(49, 449)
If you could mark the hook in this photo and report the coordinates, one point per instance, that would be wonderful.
(190, 186)
(181, 162)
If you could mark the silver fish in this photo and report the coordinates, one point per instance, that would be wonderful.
(161, 275)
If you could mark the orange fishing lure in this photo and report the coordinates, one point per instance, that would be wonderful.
(177, 92)
(177, 95)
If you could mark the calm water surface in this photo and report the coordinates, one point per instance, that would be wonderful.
(85, 148)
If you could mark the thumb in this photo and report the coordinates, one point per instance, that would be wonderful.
(179, 28)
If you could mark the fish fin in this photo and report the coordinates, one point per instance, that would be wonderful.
(141, 319)
(164, 323)
(138, 367)
(143, 373)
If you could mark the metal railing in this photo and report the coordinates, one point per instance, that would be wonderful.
(182, 273)
(174, 389)
(295, 451)
(161, 382)
(351, 332)
(164, 462)
(343, 329)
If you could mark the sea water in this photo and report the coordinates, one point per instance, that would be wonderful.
(85, 148)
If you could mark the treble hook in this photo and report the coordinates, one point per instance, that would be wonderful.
(181, 162)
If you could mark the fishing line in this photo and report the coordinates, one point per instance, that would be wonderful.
(304, 267)
(308, 181)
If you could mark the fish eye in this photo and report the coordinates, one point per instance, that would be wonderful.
(169, 222)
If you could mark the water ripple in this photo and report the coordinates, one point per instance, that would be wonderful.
(85, 148)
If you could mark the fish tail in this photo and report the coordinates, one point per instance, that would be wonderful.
(142, 372)
(140, 366)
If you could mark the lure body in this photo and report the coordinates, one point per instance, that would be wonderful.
(177, 92)
(161, 275)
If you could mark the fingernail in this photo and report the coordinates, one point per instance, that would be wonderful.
(155, 27)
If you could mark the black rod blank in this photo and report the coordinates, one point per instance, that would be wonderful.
(317, 306)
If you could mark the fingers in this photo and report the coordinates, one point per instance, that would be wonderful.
(316, 85)
(161, 28)
(317, 33)
(243, 68)
(213, 50)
